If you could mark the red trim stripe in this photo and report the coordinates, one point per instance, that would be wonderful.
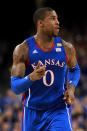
(22, 121)
(24, 97)
(27, 62)
(43, 49)
(71, 108)
(67, 59)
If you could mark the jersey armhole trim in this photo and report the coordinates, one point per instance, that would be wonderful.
(24, 97)
(28, 60)
(67, 59)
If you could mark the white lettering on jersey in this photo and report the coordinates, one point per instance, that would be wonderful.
(58, 63)
(47, 62)
(33, 65)
(50, 62)
(52, 78)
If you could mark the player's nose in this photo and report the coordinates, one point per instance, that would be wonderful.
(57, 22)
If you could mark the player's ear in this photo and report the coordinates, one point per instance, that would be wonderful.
(40, 23)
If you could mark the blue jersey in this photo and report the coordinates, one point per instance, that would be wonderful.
(47, 92)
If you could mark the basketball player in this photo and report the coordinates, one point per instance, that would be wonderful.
(39, 71)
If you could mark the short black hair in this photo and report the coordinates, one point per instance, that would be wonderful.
(40, 14)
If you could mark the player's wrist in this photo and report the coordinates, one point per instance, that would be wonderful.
(31, 78)
(71, 87)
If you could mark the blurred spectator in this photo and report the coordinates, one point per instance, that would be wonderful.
(16, 126)
(10, 115)
(6, 126)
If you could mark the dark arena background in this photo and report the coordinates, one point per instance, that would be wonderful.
(16, 24)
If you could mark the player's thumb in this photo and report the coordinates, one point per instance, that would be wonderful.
(38, 65)
(65, 95)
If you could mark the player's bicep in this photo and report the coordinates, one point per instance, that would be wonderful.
(72, 57)
(18, 70)
(71, 54)
(20, 56)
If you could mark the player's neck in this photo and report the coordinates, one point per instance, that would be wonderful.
(44, 41)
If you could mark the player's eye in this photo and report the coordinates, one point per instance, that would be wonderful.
(53, 18)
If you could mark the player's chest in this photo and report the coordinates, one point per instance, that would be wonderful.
(55, 57)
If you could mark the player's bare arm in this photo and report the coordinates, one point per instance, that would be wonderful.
(71, 54)
(20, 56)
(18, 79)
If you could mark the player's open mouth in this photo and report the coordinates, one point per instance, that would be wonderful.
(57, 27)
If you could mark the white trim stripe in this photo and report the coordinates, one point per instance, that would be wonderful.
(67, 109)
(28, 97)
(24, 120)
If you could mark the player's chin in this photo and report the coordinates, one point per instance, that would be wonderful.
(56, 33)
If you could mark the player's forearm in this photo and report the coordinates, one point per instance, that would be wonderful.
(74, 75)
(20, 85)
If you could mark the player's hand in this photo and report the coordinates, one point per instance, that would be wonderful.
(69, 96)
(38, 72)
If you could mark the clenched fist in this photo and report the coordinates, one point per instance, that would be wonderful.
(69, 96)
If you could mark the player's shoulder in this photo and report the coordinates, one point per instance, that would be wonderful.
(21, 46)
(69, 49)
(24, 46)
(68, 45)
(21, 51)
(30, 39)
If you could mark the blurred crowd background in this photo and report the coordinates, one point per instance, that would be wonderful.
(16, 25)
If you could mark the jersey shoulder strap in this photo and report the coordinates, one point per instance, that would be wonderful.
(58, 41)
(30, 41)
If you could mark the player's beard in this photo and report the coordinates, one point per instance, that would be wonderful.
(55, 34)
(51, 33)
